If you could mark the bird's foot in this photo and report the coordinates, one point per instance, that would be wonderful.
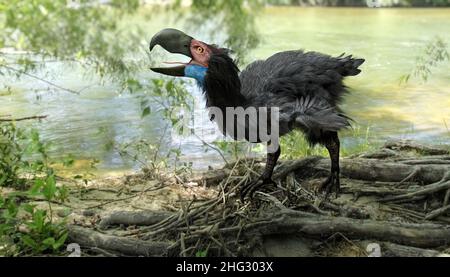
(249, 189)
(332, 182)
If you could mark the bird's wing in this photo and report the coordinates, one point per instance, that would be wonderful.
(297, 74)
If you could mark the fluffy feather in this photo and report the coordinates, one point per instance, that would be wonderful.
(306, 87)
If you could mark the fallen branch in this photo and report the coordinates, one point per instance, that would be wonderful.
(429, 189)
(437, 212)
(128, 246)
(406, 145)
(211, 177)
(361, 189)
(386, 171)
(293, 222)
(133, 218)
(397, 250)
(40, 79)
(37, 117)
(291, 166)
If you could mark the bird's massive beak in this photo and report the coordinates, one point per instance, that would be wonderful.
(174, 41)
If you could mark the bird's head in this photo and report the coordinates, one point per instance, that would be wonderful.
(175, 41)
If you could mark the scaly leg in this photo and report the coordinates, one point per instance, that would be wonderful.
(265, 178)
(332, 144)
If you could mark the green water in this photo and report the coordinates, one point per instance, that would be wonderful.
(389, 39)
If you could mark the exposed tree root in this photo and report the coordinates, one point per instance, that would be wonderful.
(388, 249)
(395, 198)
(127, 246)
(133, 218)
(437, 212)
(444, 184)
(420, 235)
(407, 145)
(388, 171)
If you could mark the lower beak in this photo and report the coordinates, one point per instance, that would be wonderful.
(174, 41)
(177, 71)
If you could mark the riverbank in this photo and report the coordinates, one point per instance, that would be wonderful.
(395, 198)
(99, 121)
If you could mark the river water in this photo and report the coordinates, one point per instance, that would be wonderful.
(389, 39)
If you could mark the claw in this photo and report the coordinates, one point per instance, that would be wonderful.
(331, 182)
(250, 188)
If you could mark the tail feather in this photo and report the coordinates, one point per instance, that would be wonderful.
(349, 65)
(316, 114)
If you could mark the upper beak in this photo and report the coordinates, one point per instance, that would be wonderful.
(174, 41)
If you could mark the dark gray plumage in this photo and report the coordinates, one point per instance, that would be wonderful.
(306, 87)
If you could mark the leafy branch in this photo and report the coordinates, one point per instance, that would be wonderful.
(434, 53)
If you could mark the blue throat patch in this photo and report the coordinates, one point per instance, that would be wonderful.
(197, 72)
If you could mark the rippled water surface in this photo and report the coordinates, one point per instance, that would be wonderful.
(389, 40)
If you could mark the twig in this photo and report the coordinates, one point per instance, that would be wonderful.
(40, 79)
(437, 212)
(213, 147)
(38, 117)
(183, 245)
(446, 198)
(411, 176)
(429, 189)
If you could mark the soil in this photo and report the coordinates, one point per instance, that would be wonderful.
(394, 202)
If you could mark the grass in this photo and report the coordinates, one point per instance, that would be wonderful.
(360, 138)
(446, 127)
(296, 145)
(448, 131)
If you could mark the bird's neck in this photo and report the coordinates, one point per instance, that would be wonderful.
(222, 84)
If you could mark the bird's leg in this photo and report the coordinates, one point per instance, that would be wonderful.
(333, 145)
(266, 176)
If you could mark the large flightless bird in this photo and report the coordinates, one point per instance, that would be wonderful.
(306, 87)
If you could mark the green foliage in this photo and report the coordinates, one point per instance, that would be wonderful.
(231, 148)
(153, 160)
(447, 128)
(297, 146)
(201, 253)
(170, 99)
(22, 154)
(86, 35)
(435, 52)
(362, 141)
(10, 155)
(81, 32)
(170, 95)
(426, 3)
(25, 229)
(359, 3)
(89, 34)
(235, 17)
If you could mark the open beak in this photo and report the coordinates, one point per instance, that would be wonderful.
(174, 41)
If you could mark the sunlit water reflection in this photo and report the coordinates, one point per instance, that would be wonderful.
(389, 39)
